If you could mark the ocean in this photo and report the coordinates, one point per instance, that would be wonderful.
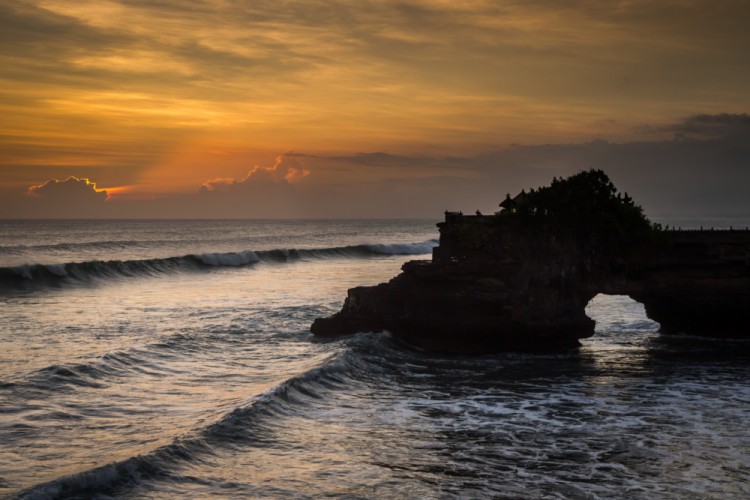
(173, 359)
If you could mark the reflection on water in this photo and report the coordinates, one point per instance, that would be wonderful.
(209, 384)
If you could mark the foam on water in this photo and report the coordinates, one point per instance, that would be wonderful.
(382, 420)
(200, 379)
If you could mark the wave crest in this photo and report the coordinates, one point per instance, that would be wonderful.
(232, 259)
(55, 275)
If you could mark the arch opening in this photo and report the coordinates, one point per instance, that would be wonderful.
(619, 314)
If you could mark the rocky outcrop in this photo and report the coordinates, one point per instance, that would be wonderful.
(521, 279)
(698, 285)
(461, 309)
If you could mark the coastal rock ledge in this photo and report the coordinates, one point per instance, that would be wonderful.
(520, 279)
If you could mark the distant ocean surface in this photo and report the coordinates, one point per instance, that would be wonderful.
(173, 359)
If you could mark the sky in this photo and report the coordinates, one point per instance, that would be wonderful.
(368, 108)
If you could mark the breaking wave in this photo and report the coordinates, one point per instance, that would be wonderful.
(41, 275)
(250, 424)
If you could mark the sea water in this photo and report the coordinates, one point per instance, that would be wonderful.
(173, 359)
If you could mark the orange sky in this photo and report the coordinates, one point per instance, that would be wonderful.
(155, 99)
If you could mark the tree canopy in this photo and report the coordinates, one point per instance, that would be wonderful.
(587, 207)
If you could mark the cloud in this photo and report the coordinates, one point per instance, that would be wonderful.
(74, 189)
(345, 71)
(706, 126)
(74, 197)
(702, 169)
(219, 184)
(265, 192)
(286, 170)
(378, 158)
(704, 176)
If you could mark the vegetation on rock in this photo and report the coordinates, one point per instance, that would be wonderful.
(585, 208)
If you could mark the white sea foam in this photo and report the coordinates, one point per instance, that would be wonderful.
(618, 418)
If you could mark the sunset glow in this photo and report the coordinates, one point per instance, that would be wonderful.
(374, 249)
(163, 98)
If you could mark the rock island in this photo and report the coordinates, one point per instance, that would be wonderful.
(520, 279)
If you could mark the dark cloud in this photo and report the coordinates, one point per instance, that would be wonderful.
(723, 126)
(377, 74)
(72, 197)
(25, 26)
(378, 158)
(703, 170)
(72, 189)
(286, 170)
(264, 192)
(705, 176)
(37, 44)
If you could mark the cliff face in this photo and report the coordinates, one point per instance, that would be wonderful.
(499, 291)
(699, 284)
(521, 281)
(462, 309)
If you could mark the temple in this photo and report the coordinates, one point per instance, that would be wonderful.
(520, 279)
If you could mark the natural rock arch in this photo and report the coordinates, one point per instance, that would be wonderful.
(521, 279)
(625, 308)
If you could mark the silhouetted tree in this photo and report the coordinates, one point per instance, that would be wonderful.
(585, 207)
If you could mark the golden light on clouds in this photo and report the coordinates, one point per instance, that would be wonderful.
(85, 184)
(134, 108)
(143, 94)
(118, 191)
(82, 184)
(140, 61)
